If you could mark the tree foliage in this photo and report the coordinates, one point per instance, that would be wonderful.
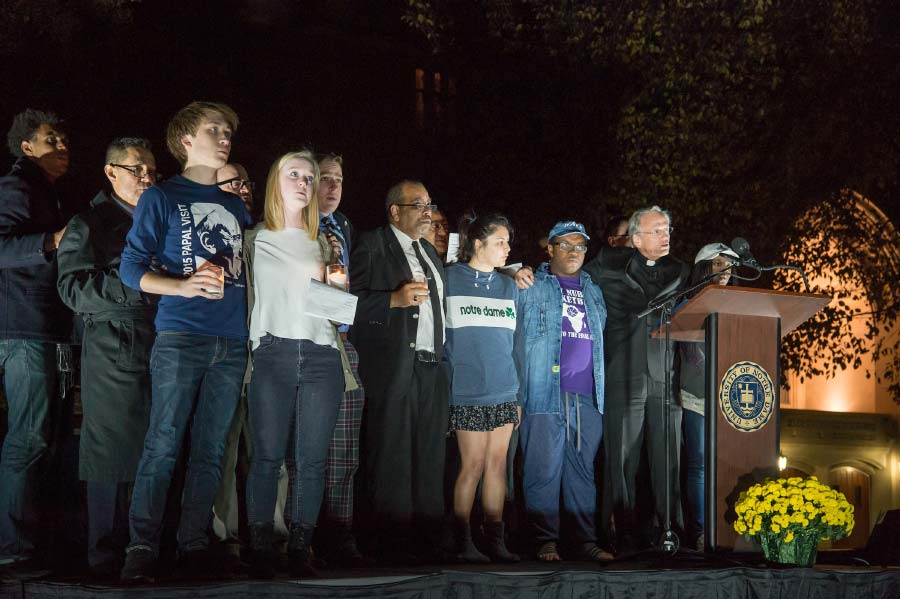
(738, 115)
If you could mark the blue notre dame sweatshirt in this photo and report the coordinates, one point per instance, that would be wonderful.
(178, 226)
(481, 324)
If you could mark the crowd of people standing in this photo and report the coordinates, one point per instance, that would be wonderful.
(199, 351)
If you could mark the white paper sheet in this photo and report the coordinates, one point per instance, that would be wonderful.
(452, 247)
(510, 270)
(325, 301)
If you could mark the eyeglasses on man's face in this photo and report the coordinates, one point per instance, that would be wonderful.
(660, 232)
(568, 247)
(440, 226)
(138, 171)
(421, 207)
(237, 183)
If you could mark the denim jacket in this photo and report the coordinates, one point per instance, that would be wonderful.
(539, 338)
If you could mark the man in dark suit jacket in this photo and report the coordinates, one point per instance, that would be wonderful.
(399, 334)
(636, 369)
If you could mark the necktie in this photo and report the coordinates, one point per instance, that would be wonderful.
(330, 227)
(435, 302)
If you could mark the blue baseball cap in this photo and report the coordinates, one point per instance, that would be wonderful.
(564, 227)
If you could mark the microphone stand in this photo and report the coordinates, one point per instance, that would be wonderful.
(669, 543)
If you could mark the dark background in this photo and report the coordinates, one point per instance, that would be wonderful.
(522, 131)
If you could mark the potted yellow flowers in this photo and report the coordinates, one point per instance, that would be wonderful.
(788, 517)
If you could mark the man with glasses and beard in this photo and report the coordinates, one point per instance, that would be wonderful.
(631, 278)
(115, 352)
(399, 334)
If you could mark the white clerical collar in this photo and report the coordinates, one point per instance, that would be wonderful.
(651, 262)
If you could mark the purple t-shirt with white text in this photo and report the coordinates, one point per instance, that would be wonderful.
(576, 356)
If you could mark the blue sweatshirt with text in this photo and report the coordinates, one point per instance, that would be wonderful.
(180, 225)
(481, 324)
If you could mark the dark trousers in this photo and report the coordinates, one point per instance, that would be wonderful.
(196, 379)
(633, 415)
(107, 505)
(293, 399)
(694, 464)
(405, 445)
(30, 383)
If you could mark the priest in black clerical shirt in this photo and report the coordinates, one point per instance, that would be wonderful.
(636, 370)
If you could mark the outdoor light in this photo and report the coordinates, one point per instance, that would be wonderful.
(782, 462)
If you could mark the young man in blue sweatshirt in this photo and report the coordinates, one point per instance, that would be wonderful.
(559, 337)
(185, 245)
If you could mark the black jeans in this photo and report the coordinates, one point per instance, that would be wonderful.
(296, 386)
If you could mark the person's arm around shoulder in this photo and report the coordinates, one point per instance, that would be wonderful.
(144, 241)
(83, 283)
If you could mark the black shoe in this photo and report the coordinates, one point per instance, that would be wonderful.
(348, 555)
(207, 564)
(262, 557)
(466, 551)
(496, 544)
(592, 552)
(140, 567)
(300, 564)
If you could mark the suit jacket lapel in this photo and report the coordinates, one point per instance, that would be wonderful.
(394, 249)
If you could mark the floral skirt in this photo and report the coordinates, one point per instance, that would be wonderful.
(482, 418)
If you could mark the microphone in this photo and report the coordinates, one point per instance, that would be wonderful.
(741, 247)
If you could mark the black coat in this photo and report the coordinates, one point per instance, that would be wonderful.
(118, 337)
(30, 308)
(629, 351)
(385, 337)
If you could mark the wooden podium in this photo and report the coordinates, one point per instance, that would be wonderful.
(742, 329)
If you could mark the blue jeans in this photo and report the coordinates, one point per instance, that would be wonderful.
(197, 374)
(294, 397)
(30, 383)
(694, 458)
(552, 462)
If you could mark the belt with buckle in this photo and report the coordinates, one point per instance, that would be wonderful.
(426, 356)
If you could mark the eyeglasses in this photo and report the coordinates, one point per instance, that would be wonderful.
(421, 207)
(440, 226)
(566, 246)
(236, 184)
(326, 180)
(658, 232)
(138, 171)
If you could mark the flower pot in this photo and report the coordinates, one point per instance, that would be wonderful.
(799, 552)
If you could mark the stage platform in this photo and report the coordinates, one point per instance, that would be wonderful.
(636, 580)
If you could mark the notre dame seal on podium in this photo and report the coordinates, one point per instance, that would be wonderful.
(746, 396)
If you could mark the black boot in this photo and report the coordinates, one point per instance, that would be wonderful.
(298, 552)
(496, 544)
(262, 557)
(466, 550)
